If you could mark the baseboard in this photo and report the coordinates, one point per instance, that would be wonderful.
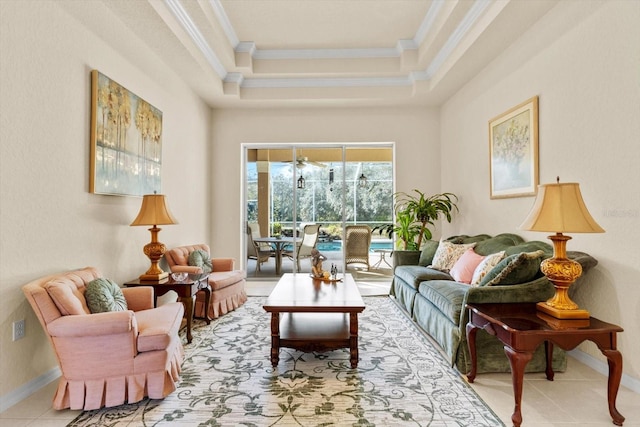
(28, 389)
(628, 381)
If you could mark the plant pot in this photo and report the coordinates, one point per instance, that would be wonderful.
(401, 257)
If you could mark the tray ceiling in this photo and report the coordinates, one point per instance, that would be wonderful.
(259, 53)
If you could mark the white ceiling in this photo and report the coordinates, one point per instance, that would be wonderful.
(263, 53)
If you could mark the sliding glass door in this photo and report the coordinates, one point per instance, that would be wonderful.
(290, 186)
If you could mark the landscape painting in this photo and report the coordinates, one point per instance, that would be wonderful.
(126, 141)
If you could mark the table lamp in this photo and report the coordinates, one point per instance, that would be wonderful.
(559, 208)
(154, 212)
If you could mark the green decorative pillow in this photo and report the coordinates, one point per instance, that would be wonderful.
(200, 258)
(104, 295)
(428, 251)
(514, 269)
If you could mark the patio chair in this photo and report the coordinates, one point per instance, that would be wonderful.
(303, 249)
(259, 251)
(357, 242)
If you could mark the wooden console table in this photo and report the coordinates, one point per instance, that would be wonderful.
(522, 328)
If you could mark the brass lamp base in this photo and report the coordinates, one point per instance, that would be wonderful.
(559, 313)
(155, 251)
(562, 272)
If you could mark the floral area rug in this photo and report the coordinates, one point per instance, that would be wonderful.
(227, 380)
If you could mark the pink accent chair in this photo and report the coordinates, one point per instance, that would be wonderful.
(112, 358)
(227, 285)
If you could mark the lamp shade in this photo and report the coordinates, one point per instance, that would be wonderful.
(154, 211)
(559, 208)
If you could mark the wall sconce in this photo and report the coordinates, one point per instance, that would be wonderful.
(362, 181)
(301, 182)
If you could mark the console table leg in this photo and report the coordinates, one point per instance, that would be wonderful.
(472, 331)
(275, 339)
(614, 358)
(518, 361)
(548, 348)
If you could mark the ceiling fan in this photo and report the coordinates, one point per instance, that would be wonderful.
(303, 161)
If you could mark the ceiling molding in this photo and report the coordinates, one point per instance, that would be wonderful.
(196, 36)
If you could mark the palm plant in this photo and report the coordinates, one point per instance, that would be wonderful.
(422, 212)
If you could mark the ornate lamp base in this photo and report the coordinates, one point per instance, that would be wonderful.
(562, 272)
(155, 251)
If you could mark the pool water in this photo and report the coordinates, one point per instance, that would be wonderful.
(337, 245)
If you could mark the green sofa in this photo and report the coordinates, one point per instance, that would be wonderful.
(435, 301)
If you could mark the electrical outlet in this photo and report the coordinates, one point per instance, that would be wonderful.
(18, 329)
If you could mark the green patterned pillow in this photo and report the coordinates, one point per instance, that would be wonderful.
(200, 258)
(104, 295)
(514, 269)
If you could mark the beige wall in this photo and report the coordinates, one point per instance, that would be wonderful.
(588, 81)
(49, 222)
(414, 131)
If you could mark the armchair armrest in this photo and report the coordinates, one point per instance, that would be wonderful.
(222, 264)
(110, 323)
(138, 297)
(191, 269)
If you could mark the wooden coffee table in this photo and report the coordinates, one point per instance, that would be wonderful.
(314, 315)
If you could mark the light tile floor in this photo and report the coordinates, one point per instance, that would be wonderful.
(577, 397)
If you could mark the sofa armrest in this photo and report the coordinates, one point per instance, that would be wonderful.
(138, 297)
(535, 291)
(110, 323)
(222, 264)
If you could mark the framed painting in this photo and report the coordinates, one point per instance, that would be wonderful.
(126, 141)
(513, 151)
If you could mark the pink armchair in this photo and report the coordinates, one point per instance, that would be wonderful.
(111, 358)
(227, 285)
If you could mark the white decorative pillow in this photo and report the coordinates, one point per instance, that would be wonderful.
(486, 266)
(447, 254)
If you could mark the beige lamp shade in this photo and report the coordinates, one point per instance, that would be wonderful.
(559, 208)
(154, 211)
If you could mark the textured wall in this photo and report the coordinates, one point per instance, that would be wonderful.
(586, 77)
(49, 221)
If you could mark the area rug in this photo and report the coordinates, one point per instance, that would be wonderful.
(228, 380)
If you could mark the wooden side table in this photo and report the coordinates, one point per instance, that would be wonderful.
(522, 328)
(186, 291)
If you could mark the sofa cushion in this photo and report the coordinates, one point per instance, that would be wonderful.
(514, 269)
(485, 266)
(222, 279)
(428, 251)
(414, 274)
(448, 253)
(531, 246)
(103, 295)
(156, 326)
(200, 258)
(67, 296)
(462, 271)
(499, 242)
(447, 296)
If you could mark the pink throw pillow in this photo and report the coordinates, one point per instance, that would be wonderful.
(462, 270)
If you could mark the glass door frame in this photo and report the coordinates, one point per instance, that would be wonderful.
(295, 147)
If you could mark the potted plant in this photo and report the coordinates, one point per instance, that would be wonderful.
(415, 213)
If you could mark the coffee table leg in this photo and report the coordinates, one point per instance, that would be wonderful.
(353, 339)
(518, 361)
(275, 338)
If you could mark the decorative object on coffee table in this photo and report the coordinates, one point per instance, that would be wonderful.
(154, 212)
(559, 208)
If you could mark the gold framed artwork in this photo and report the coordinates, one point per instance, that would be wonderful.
(513, 151)
(126, 141)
